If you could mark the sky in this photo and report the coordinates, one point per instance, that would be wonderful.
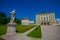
(29, 8)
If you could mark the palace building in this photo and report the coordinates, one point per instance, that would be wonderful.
(45, 18)
(27, 21)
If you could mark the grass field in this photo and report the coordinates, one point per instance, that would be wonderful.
(3, 29)
(2, 39)
(36, 33)
(23, 28)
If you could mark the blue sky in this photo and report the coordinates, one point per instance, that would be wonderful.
(29, 8)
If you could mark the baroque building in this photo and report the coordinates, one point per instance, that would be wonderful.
(45, 18)
(26, 21)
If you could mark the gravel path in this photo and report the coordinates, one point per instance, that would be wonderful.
(50, 32)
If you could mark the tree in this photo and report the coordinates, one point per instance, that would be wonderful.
(3, 19)
(18, 21)
(8, 20)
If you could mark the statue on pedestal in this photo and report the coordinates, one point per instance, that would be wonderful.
(11, 30)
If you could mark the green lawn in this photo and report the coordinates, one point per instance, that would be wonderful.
(3, 29)
(2, 39)
(23, 28)
(36, 33)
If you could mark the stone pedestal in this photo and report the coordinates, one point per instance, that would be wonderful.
(50, 32)
(11, 30)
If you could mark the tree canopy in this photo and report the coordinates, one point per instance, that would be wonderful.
(3, 19)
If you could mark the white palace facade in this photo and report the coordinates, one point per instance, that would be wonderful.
(45, 18)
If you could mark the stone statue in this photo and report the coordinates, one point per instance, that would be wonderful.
(11, 30)
(12, 16)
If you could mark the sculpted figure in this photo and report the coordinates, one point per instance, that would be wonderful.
(12, 16)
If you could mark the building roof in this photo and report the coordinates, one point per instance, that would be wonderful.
(45, 13)
(26, 18)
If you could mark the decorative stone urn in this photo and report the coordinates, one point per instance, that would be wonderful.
(11, 30)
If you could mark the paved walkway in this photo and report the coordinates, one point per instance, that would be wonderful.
(21, 36)
(50, 32)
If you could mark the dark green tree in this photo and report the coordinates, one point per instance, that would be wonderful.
(8, 20)
(18, 21)
(3, 19)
